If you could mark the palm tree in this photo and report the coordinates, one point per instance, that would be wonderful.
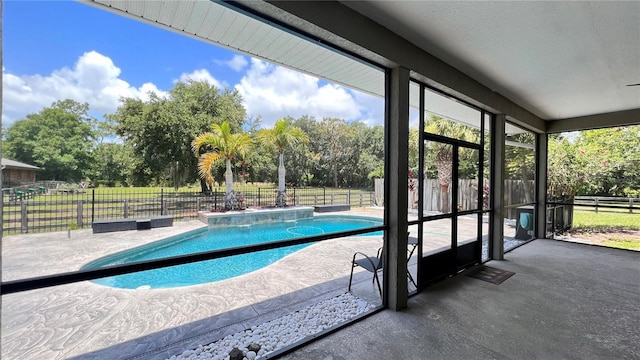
(221, 145)
(444, 152)
(280, 137)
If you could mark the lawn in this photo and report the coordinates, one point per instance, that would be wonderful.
(604, 221)
(629, 244)
(617, 230)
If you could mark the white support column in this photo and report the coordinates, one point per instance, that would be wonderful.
(497, 188)
(541, 185)
(396, 204)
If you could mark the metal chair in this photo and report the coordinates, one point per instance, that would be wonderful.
(370, 263)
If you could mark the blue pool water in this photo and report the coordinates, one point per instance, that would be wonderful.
(214, 239)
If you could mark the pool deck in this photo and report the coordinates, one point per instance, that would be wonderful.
(89, 321)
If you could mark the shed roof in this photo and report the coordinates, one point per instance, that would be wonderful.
(12, 164)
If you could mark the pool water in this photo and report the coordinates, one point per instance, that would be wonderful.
(221, 238)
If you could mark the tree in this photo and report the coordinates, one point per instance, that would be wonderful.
(280, 137)
(221, 145)
(596, 162)
(333, 148)
(160, 131)
(258, 164)
(59, 139)
(367, 154)
(113, 165)
(302, 159)
(442, 154)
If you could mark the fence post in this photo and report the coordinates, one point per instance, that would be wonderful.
(324, 196)
(596, 205)
(630, 205)
(161, 201)
(126, 208)
(93, 202)
(349, 197)
(259, 197)
(23, 218)
(294, 196)
(79, 219)
(197, 204)
(360, 204)
(332, 197)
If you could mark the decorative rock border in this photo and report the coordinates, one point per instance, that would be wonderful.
(281, 332)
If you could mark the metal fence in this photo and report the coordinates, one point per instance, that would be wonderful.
(79, 208)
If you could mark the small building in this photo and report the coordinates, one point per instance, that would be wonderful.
(15, 173)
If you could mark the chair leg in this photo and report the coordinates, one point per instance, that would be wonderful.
(411, 279)
(375, 274)
(351, 276)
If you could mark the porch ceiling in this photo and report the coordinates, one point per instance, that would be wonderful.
(556, 59)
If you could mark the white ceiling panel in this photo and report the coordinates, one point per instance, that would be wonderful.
(151, 9)
(199, 13)
(167, 11)
(253, 35)
(557, 59)
(183, 15)
(210, 24)
(136, 7)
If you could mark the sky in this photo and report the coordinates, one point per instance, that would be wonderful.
(56, 50)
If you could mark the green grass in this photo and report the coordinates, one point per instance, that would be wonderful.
(629, 244)
(602, 222)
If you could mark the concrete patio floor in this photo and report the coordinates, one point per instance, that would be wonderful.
(90, 321)
(565, 301)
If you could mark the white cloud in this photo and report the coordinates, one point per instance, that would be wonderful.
(274, 92)
(372, 108)
(203, 75)
(94, 79)
(237, 63)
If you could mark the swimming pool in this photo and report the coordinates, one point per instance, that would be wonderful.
(221, 238)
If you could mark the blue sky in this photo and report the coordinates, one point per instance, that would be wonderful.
(55, 50)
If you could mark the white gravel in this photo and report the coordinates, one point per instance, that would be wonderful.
(283, 331)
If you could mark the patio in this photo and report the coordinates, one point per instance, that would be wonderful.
(87, 320)
(565, 301)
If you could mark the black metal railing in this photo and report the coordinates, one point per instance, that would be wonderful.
(62, 209)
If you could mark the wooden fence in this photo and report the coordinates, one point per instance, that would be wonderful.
(608, 203)
(516, 192)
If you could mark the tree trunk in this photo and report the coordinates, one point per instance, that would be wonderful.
(444, 198)
(281, 173)
(204, 187)
(175, 177)
(228, 178)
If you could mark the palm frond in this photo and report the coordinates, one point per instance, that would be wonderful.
(206, 163)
